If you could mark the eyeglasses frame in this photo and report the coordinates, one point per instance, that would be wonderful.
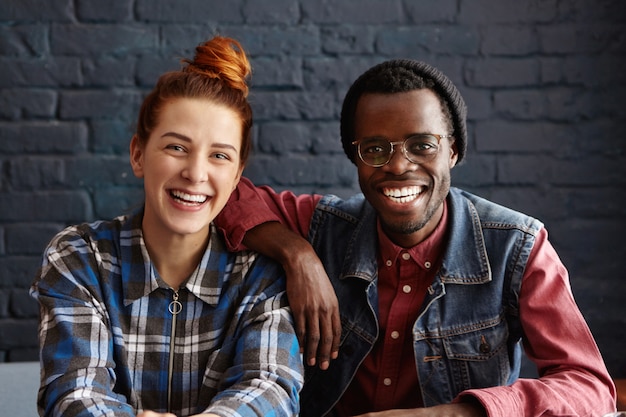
(404, 151)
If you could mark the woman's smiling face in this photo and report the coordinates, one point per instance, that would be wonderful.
(190, 165)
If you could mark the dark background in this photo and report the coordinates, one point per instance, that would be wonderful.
(544, 81)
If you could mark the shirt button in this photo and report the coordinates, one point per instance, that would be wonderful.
(406, 289)
(427, 265)
(388, 263)
(395, 334)
(387, 381)
(406, 256)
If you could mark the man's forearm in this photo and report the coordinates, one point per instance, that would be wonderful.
(311, 296)
(276, 241)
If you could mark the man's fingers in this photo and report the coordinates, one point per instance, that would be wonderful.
(336, 335)
(328, 342)
(299, 319)
(312, 338)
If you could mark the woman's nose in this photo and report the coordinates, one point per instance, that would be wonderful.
(196, 170)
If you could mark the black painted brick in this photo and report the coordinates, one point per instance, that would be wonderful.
(542, 80)
(16, 333)
(107, 11)
(29, 238)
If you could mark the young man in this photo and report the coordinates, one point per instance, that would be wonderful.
(438, 289)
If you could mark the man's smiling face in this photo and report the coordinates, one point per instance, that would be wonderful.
(407, 196)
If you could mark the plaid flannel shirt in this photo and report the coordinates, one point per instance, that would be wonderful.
(110, 345)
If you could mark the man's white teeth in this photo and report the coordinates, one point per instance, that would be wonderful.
(189, 198)
(402, 195)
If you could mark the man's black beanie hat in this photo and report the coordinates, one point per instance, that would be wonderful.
(395, 76)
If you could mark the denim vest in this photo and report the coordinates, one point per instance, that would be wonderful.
(467, 334)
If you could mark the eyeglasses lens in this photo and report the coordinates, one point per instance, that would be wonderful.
(418, 149)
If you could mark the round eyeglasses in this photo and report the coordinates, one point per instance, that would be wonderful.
(418, 149)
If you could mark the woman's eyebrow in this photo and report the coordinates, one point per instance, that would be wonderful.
(188, 139)
(224, 146)
(176, 135)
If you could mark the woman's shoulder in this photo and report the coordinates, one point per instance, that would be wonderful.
(92, 233)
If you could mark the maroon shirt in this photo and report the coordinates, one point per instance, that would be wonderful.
(387, 378)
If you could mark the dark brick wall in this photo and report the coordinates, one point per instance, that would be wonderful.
(544, 80)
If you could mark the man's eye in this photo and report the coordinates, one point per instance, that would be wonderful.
(374, 149)
(421, 146)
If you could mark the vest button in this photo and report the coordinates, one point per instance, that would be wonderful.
(484, 345)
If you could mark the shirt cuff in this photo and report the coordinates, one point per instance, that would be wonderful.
(497, 401)
(238, 221)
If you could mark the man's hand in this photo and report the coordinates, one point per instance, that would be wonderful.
(153, 414)
(444, 410)
(311, 295)
(314, 306)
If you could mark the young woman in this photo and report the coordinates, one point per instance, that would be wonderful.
(148, 314)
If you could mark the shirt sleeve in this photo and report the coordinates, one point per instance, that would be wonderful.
(77, 362)
(250, 206)
(573, 379)
(267, 371)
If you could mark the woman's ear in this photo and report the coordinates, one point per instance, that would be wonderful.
(136, 156)
(238, 177)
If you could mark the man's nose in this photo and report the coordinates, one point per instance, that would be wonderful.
(398, 162)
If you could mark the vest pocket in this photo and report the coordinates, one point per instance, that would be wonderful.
(478, 355)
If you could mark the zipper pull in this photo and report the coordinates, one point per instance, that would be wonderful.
(175, 306)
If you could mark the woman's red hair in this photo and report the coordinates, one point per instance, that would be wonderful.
(218, 72)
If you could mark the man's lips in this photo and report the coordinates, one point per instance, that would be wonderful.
(188, 199)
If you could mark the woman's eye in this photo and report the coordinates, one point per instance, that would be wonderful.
(221, 156)
(176, 148)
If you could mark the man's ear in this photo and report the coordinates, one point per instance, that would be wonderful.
(136, 156)
(454, 154)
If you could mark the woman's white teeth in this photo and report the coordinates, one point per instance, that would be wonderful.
(189, 198)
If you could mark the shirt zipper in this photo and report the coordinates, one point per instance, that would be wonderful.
(174, 307)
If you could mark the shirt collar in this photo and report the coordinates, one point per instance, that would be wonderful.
(140, 278)
(427, 251)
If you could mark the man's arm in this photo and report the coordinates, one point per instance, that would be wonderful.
(311, 295)
(250, 206)
(444, 410)
(275, 225)
(573, 379)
